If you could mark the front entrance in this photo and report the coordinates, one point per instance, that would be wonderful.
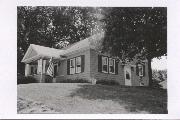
(127, 75)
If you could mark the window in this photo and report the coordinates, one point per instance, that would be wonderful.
(78, 64)
(105, 64)
(111, 65)
(75, 65)
(140, 67)
(55, 70)
(127, 75)
(72, 66)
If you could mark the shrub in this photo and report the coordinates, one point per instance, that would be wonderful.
(48, 79)
(25, 80)
(74, 81)
(155, 84)
(159, 75)
(107, 82)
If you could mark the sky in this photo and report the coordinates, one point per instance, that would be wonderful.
(159, 64)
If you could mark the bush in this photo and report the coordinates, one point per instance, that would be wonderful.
(155, 84)
(48, 79)
(74, 81)
(25, 80)
(107, 82)
(159, 75)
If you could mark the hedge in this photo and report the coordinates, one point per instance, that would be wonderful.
(25, 80)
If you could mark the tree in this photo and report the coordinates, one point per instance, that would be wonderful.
(52, 27)
(33, 27)
(139, 33)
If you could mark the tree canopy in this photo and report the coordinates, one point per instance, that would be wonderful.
(52, 27)
(132, 31)
(139, 33)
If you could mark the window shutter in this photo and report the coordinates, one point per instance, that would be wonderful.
(116, 67)
(82, 63)
(99, 63)
(143, 70)
(68, 67)
(137, 70)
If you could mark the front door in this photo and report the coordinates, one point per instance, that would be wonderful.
(127, 75)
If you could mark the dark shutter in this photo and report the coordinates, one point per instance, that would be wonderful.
(107, 64)
(82, 63)
(74, 64)
(137, 70)
(99, 63)
(68, 67)
(143, 70)
(116, 67)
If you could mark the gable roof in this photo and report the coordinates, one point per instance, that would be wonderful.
(51, 52)
(35, 52)
(91, 42)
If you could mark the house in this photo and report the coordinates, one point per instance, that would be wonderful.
(83, 60)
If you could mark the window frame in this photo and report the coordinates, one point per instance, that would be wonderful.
(140, 67)
(106, 64)
(70, 66)
(76, 67)
(114, 64)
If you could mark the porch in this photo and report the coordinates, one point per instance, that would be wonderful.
(38, 70)
(37, 60)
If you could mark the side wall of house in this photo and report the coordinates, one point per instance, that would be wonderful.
(62, 67)
(104, 76)
(136, 79)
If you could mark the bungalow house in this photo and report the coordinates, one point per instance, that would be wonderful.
(82, 60)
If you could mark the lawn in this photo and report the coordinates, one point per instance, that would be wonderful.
(86, 98)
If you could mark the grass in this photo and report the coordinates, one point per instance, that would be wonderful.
(27, 106)
(86, 98)
(136, 98)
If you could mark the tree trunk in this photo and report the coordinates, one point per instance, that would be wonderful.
(150, 72)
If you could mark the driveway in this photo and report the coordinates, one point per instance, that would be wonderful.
(81, 98)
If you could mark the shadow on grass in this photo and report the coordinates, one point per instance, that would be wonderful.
(136, 99)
